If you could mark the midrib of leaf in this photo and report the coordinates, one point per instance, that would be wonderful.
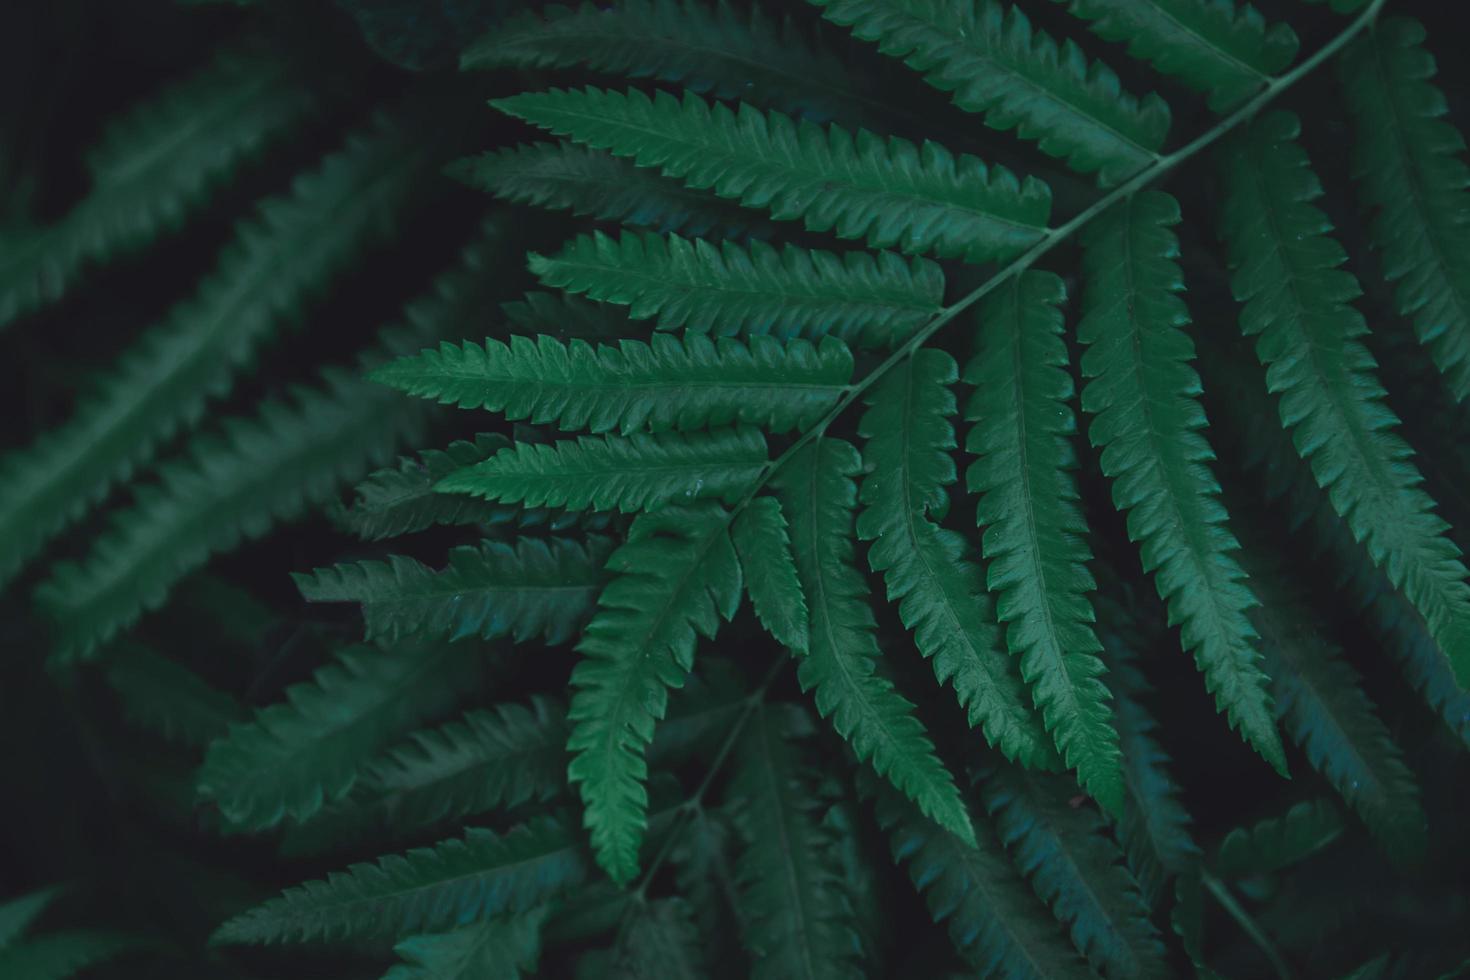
(788, 866)
(1205, 42)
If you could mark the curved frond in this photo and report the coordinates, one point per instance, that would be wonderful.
(538, 588)
(1279, 842)
(1288, 273)
(992, 61)
(628, 473)
(886, 192)
(401, 499)
(1222, 48)
(677, 577)
(1142, 393)
(1034, 528)
(309, 749)
(759, 533)
(875, 300)
(503, 948)
(1409, 161)
(940, 593)
(428, 889)
(879, 724)
(163, 696)
(693, 382)
(1077, 870)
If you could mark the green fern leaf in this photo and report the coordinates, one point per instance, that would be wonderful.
(759, 533)
(294, 756)
(991, 61)
(887, 192)
(164, 696)
(537, 588)
(994, 919)
(668, 383)
(1288, 274)
(17, 914)
(164, 382)
(401, 499)
(628, 473)
(156, 165)
(873, 300)
(1279, 842)
(1142, 393)
(724, 51)
(940, 594)
(797, 923)
(58, 955)
(1033, 524)
(504, 948)
(1076, 870)
(677, 577)
(1221, 48)
(657, 942)
(818, 495)
(430, 889)
(1409, 162)
(593, 184)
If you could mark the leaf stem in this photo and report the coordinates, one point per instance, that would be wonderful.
(1247, 923)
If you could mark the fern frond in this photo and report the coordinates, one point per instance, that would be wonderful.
(1222, 48)
(1077, 870)
(940, 594)
(17, 914)
(797, 923)
(678, 576)
(992, 61)
(728, 52)
(763, 545)
(309, 749)
(628, 473)
(429, 889)
(166, 697)
(818, 494)
(163, 383)
(1278, 842)
(886, 192)
(1411, 174)
(993, 918)
(401, 499)
(594, 184)
(154, 166)
(59, 955)
(1288, 274)
(504, 948)
(872, 300)
(1033, 539)
(537, 588)
(692, 382)
(1142, 394)
(657, 942)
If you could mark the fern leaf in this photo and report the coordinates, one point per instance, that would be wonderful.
(156, 165)
(1288, 274)
(658, 942)
(940, 594)
(593, 184)
(1076, 870)
(628, 473)
(873, 300)
(1142, 393)
(678, 576)
(17, 914)
(818, 495)
(1411, 173)
(992, 61)
(58, 955)
(430, 889)
(1033, 524)
(294, 756)
(164, 696)
(163, 383)
(503, 948)
(759, 533)
(668, 383)
(993, 918)
(887, 192)
(721, 50)
(1278, 842)
(537, 588)
(797, 921)
(1222, 48)
(401, 499)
